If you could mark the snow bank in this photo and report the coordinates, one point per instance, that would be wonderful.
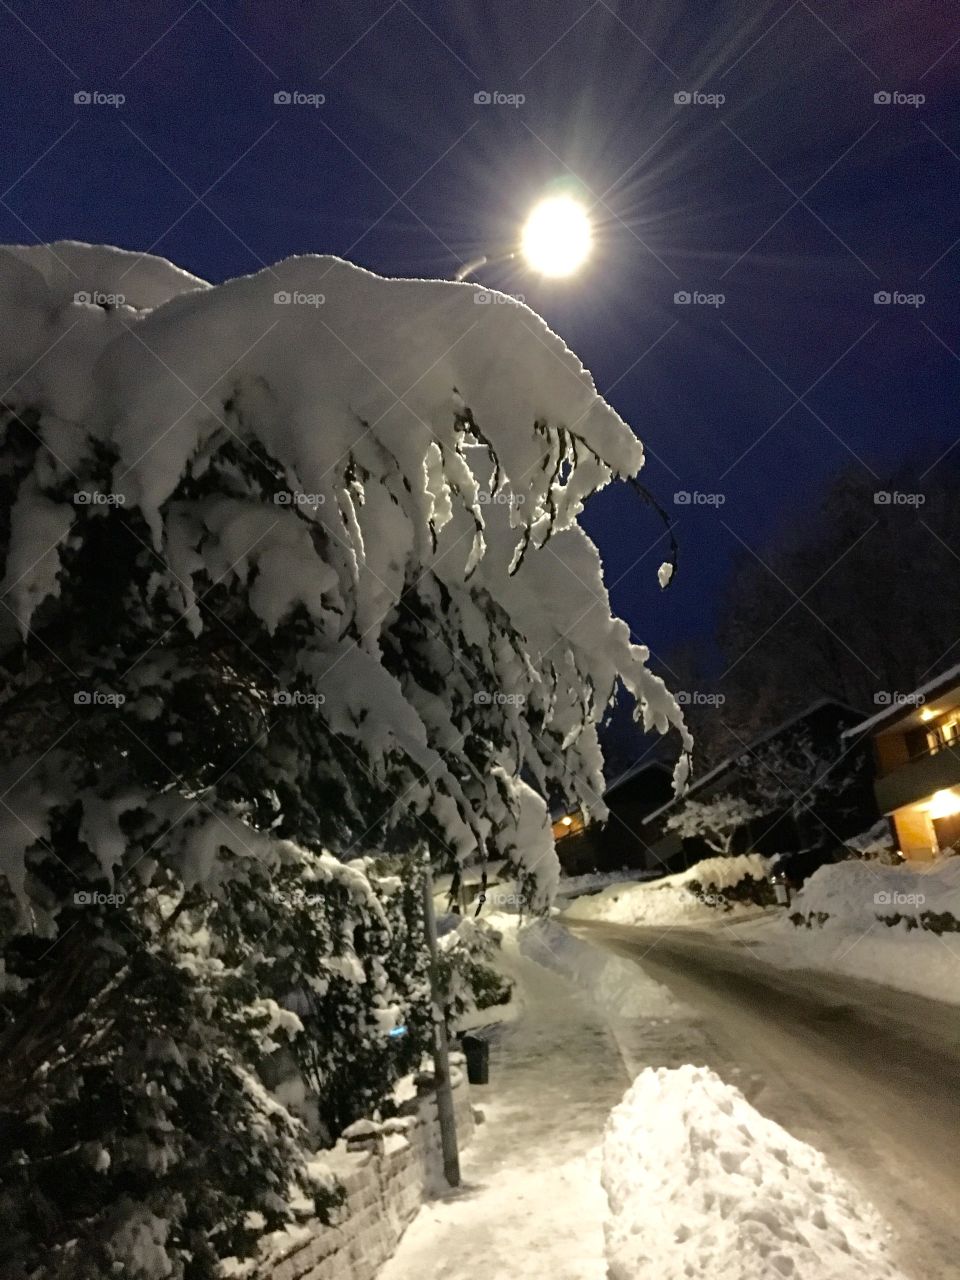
(893, 925)
(593, 881)
(701, 1184)
(855, 895)
(690, 897)
(616, 986)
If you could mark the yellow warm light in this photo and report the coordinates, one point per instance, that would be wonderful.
(943, 804)
(556, 239)
(928, 714)
(566, 822)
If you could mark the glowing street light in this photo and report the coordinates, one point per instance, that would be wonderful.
(556, 237)
(555, 241)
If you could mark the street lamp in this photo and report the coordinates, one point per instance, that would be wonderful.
(557, 238)
(555, 241)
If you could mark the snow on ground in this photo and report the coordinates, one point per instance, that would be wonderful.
(594, 881)
(857, 892)
(531, 1203)
(701, 1184)
(698, 1183)
(857, 898)
(670, 900)
(871, 928)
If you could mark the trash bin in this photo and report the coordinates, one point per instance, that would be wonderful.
(476, 1050)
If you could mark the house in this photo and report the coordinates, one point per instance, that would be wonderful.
(916, 753)
(622, 841)
(809, 833)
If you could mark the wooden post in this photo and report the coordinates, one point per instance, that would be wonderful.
(441, 1047)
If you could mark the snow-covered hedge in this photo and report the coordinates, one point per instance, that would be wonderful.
(138, 1129)
(470, 974)
(721, 882)
(854, 895)
(686, 898)
(275, 592)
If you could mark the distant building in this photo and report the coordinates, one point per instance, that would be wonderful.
(812, 834)
(641, 801)
(916, 751)
(622, 841)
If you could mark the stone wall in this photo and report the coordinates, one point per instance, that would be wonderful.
(386, 1170)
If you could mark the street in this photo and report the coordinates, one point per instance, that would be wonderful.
(868, 1075)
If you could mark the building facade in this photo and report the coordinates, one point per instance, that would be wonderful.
(916, 751)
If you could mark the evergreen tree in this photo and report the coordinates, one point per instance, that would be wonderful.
(259, 634)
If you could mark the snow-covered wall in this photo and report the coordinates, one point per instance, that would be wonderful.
(385, 1186)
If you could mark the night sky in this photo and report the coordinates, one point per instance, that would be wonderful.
(797, 198)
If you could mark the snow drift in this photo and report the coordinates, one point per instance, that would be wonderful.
(703, 892)
(701, 1184)
(897, 925)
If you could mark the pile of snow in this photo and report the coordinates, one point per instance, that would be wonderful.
(701, 1184)
(867, 920)
(722, 873)
(875, 843)
(690, 897)
(854, 895)
(614, 985)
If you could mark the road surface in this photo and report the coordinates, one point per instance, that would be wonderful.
(868, 1075)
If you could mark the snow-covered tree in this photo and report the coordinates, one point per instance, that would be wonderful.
(290, 575)
(792, 773)
(715, 821)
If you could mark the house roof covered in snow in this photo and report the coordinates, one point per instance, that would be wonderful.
(904, 706)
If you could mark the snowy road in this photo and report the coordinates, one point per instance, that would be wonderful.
(868, 1075)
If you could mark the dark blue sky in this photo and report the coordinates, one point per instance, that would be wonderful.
(798, 199)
